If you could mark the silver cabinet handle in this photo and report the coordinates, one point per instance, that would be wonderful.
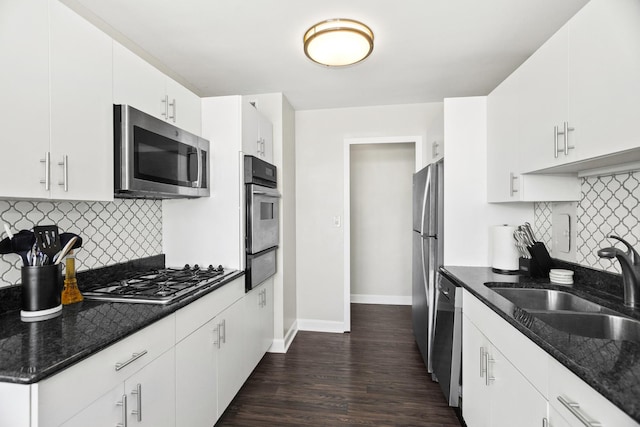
(483, 366)
(223, 335)
(134, 357)
(434, 149)
(138, 392)
(165, 101)
(47, 171)
(489, 378)
(512, 188)
(565, 133)
(123, 403)
(173, 110)
(65, 172)
(216, 341)
(574, 408)
(264, 193)
(545, 422)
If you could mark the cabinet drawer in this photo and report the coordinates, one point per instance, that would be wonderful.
(524, 354)
(199, 312)
(63, 395)
(592, 405)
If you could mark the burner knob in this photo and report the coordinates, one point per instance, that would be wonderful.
(220, 268)
(196, 267)
(187, 267)
(210, 268)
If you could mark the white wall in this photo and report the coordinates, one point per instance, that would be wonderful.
(320, 138)
(381, 198)
(468, 216)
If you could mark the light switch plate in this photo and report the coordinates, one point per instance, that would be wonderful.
(561, 230)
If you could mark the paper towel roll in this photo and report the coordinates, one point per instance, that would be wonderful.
(504, 255)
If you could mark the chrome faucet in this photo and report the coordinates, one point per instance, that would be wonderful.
(630, 264)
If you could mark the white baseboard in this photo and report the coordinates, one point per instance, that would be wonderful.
(282, 345)
(320, 326)
(381, 299)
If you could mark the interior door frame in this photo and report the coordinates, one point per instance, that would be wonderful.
(420, 162)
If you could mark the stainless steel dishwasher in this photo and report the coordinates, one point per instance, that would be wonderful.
(447, 345)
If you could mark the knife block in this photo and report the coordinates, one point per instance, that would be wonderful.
(540, 262)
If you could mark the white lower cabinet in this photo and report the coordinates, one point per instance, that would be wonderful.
(495, 393)
(197, 377)
(214, 360)
(259, 321)
(507, 380)
(144, 399)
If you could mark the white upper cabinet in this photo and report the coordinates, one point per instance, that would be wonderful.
(57, 114)
(24, 84)
(543, 109)
(257, 133)
(81, 108)
(604, 83)
(508, 121)
(141, 85)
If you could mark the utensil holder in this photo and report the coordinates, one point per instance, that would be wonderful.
(41, 290)
(540, 262)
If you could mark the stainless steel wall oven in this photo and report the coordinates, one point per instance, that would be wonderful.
(262, 220)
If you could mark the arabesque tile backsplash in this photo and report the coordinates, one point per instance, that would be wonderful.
(608, 205)
(112, 232)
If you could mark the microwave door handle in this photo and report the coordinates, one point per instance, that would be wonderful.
(196, 183)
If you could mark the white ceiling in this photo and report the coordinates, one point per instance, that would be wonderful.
(425, 50)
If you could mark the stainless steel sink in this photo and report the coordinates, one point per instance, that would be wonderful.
(594, 325)
(547, 299)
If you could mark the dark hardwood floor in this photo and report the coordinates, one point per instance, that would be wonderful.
(373, 376)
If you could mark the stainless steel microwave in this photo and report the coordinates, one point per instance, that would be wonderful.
(154, 159)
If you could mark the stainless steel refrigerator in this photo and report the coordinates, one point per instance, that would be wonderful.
(427, 253)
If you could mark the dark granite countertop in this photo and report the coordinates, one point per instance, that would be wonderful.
(610, 367)
(32, 351)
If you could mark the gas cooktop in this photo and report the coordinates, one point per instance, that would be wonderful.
(158, 286)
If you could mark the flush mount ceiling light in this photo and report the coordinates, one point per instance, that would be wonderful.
(338, 42)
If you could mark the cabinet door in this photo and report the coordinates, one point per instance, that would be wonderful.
(24, 84)
(232, 363)
(107, 411)
(81, 108)
(254, 326)
(184, 107)
(514, 401)
(250, 130)
(604, 88)
(138, 83)
(503, 168)
(544, 84)
(196, 377)
(151, 393)
(267, 318)
(475, 393)
(265, 132)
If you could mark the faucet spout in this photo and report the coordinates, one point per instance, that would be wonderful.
(630, 265)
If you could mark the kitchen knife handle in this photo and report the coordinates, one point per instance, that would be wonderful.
(123, 403)
(134, 357)
(47, 171)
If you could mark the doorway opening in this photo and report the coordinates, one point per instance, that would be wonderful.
(377, 220)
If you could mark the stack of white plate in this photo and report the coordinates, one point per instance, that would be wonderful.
(561, 277)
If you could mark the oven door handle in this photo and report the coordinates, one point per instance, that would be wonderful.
(197, 182)
(264, 193)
